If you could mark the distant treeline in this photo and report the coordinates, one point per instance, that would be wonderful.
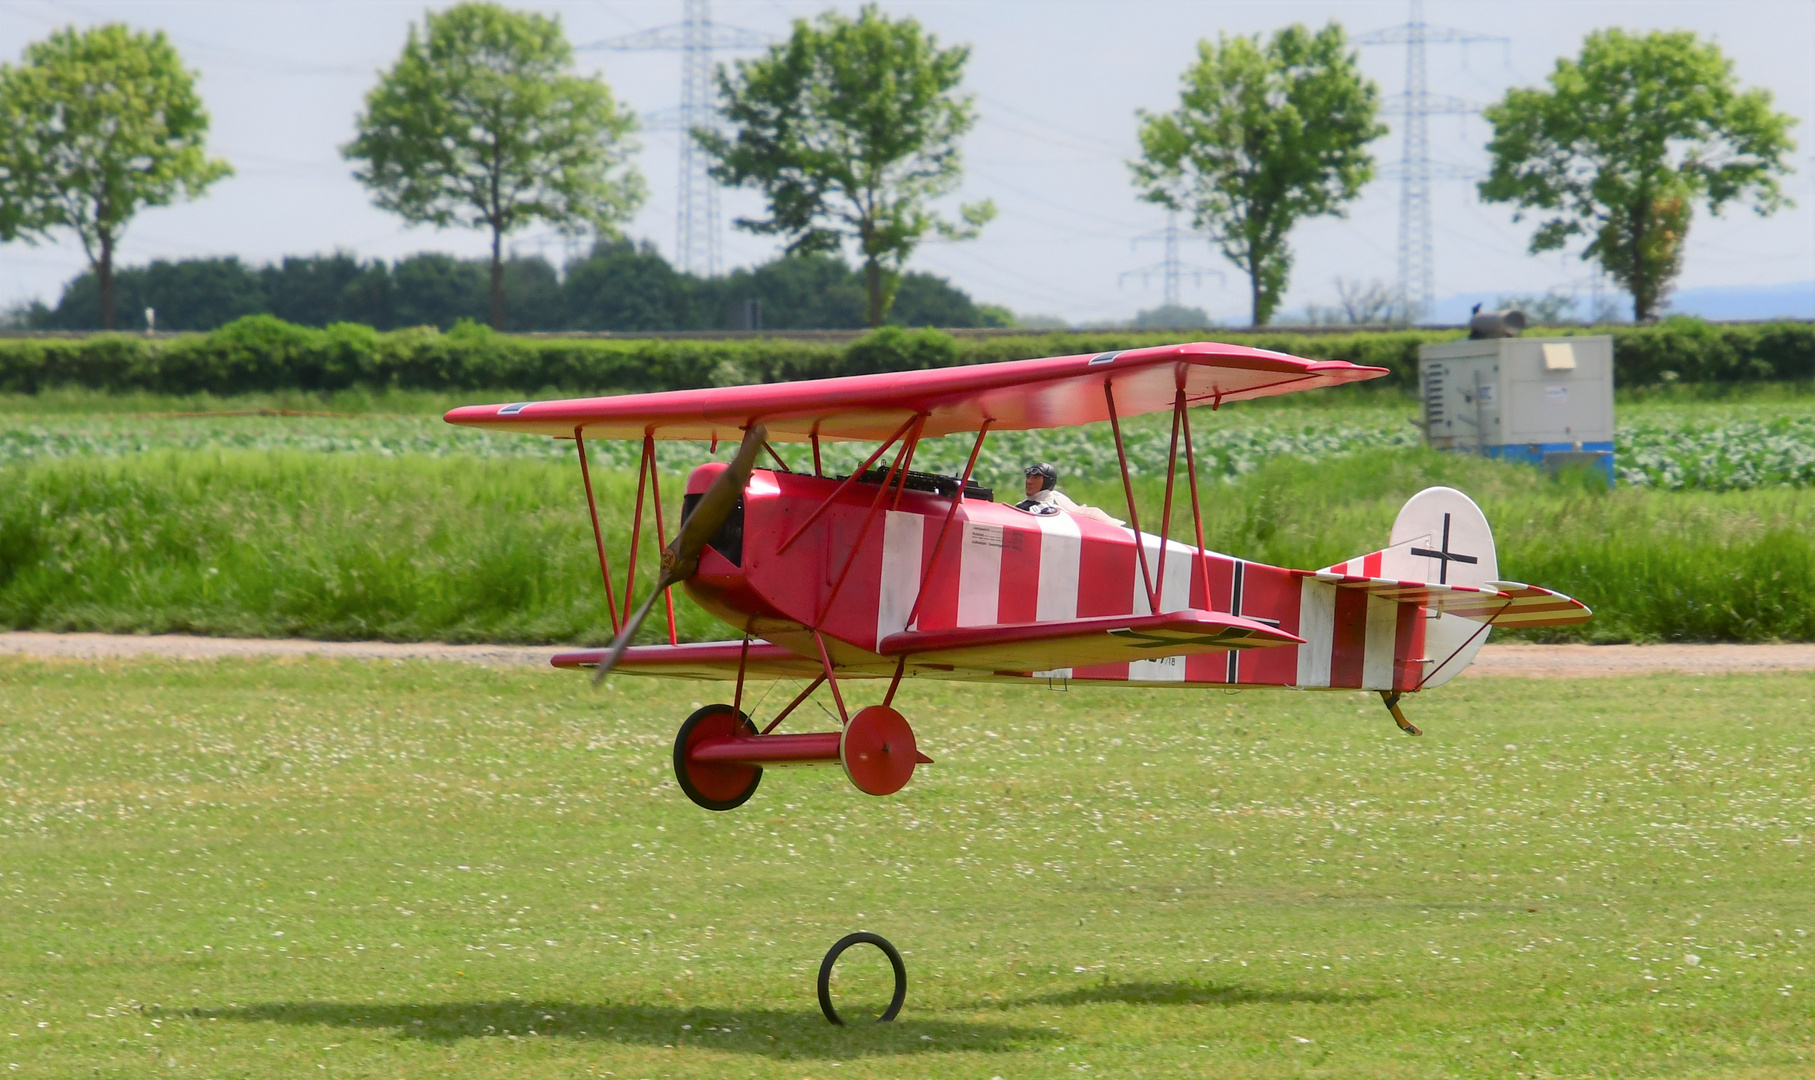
(260, 353)
(617, 286)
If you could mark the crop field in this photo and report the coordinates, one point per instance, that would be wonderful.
(1761, 437)
(278, 869)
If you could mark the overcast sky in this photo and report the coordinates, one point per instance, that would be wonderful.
(1057, 85)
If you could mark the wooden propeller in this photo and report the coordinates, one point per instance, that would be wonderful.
(682, 555)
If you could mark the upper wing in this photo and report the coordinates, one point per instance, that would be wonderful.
(1113, 639)
(1503, 603)
(1060, 391)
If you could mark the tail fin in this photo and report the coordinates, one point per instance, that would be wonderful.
(1440, 537)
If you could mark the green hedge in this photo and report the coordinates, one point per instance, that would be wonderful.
(262, 353)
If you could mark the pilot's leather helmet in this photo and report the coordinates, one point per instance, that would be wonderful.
(1049, 475)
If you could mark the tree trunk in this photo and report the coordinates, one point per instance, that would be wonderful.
(1255, 313)
(497, 279)
(104, 274)
(1643, 286)
(872, 278)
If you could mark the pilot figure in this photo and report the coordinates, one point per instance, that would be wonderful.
(1044, 497)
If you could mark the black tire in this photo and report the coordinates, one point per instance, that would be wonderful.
(680, 760)
(862, 937)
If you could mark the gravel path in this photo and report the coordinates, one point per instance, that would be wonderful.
(1507, 661)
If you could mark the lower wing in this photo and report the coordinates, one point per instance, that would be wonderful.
(702, 660)
(1110, 639)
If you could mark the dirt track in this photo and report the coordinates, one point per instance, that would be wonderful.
(1510, 661)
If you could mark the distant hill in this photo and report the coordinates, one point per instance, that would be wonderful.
(1791, 300)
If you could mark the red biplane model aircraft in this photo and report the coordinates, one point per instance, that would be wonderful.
(889, 573)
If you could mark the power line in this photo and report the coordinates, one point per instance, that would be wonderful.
(695, 37)
(1415, 107)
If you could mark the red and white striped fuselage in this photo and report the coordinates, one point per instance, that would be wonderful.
(859, 576)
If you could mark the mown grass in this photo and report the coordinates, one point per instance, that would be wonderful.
(468, 549)
(264, 869)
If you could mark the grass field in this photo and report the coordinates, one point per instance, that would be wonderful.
(280, 543)
(370, 518)
(281, 869)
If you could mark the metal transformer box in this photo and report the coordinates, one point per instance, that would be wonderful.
(1548, 401)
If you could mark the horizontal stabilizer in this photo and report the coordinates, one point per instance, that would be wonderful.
(1113, 639)
(1503, 603)
(700, 660)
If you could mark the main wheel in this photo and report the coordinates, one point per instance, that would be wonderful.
(878, 750)
(712, 784)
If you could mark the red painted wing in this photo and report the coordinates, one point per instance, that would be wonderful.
(1116, 639)
(701, 660)
(1017, 395)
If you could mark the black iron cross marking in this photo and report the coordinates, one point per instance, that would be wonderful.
(1158, 641)
(1444, 555)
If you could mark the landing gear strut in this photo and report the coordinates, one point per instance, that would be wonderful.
(1391, 698)
(719, 757)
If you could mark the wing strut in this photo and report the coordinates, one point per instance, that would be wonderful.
(897, 475)
(830, 678)
(1178, 406)
(939, 542)
(1197, 516)
(636, 525)
(1134, 517)
(848, 481)
(661, 538)
(598, 534)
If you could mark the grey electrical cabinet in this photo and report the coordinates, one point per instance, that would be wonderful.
(1548, 401)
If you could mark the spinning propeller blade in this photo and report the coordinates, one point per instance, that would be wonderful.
(682, 555)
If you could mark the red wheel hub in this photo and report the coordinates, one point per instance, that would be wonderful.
(716, 785)
(878, 750)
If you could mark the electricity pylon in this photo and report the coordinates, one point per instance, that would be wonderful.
(1170, 268)
(695, 37)
(1415, 107)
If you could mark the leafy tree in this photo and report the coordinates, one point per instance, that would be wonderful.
(315, 290)
(535, 300)
(1625, 141)
(433, 289)
(1171, 317)
(189, 294)
(927, 300)
(618, 286)
(482, 123)
(1264, 136)
(96, 125)
(850, 128)
(1358, 303)
(797, 292)
(997, 316)
(200, 294)
(1548, 309)
(626, 286)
